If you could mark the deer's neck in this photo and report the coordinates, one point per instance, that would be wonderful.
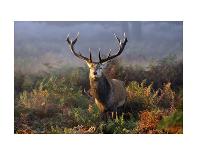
(100, 89)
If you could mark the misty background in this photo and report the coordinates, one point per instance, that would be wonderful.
(41, 46)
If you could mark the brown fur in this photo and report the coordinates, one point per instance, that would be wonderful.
(113, 96)
(119, 92)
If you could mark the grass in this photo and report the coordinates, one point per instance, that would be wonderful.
(55, 103)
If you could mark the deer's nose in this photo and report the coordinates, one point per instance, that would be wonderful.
(94, 73)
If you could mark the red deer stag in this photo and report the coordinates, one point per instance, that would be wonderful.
(109, 94)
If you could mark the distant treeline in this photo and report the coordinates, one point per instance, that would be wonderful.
(166, 70)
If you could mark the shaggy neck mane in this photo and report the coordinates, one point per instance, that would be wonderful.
(100, 89)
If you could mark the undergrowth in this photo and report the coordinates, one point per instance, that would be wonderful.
(56, 103)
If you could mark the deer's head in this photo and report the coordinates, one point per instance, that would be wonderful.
(96, 67)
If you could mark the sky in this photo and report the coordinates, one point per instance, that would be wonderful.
(39, 45)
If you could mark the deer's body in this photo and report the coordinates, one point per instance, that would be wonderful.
(109, 94)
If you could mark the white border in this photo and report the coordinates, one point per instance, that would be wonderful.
(61, 10)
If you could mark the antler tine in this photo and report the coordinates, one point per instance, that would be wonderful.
(71, 45)
(74, 41)
(121, 48)
(100, 59)
(90, 55)
(119, 41)
(125, 38)
(68, 39)
(109, 52)
(99, 54)
(99, 49)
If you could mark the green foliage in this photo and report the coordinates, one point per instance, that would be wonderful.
(141, 93)
(61, 93)
(69, 131)
(34, 99)
(84, 117)
(140, 96)
(116, 126)
(167, 97)
(55, 103)
(172, 122)
(79, 77)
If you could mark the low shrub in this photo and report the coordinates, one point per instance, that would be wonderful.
(116, 126)
(148, 121)
(167, 97)
(172, 123)
(140, 96)
(55, 102)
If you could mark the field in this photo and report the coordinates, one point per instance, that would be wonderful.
(55, 102)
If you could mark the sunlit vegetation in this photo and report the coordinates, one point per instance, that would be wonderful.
(56, 103)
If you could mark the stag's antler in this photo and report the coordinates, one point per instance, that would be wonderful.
(121, 48)
(79, 55)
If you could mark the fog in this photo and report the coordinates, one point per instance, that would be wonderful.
(42, 45)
